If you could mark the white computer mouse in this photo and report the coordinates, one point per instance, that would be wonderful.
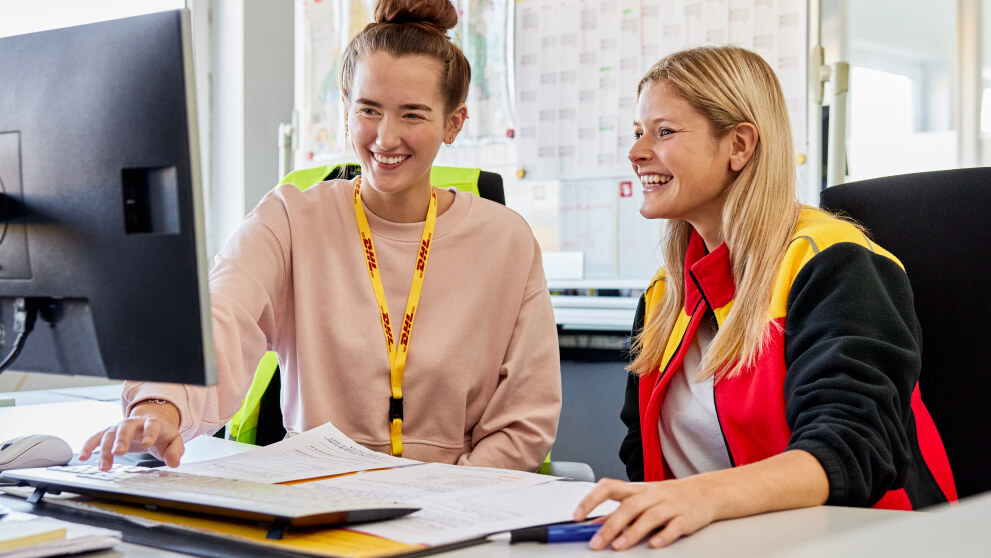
(34, 450)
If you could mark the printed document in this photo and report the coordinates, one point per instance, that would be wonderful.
(320, 452)
(447, 518)
(461, 503)
(458, 503)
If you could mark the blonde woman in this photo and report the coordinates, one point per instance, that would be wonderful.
(778, 353)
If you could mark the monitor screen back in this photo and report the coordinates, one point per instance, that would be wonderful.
(102, 204)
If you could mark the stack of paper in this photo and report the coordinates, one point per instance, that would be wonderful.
(458, 503)
(29, 531)
(23, 535)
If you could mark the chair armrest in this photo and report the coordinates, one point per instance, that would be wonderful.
(572, 470)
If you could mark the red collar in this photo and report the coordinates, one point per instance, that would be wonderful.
(707, 275)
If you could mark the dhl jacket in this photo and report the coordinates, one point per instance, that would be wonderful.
(838, 377)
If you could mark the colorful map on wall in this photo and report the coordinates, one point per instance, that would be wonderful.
(483, 32)
(329, 25)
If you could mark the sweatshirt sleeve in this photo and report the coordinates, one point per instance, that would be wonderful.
(631, 448)
(248, 289)
(519, 424)
(852, 348)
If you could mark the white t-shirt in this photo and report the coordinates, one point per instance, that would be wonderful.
(691, 439)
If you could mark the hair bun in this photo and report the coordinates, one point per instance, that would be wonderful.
(436, 14)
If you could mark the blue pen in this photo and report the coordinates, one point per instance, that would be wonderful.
(570, 532)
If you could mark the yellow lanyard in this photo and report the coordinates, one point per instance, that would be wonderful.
(397, 352)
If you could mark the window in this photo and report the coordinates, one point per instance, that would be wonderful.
(902, 103)
(28, 16)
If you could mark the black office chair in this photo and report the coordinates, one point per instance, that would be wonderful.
(937, 224)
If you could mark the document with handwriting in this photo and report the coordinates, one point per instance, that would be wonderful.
(461, 503)
(430, 481)
(320, 452)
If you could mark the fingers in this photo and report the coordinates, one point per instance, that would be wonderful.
(605, 489)
(617, 530)
(90, 445)
(162, 441)
(649, 520)
(173, 452)
(674, 530)
(661, 511)
(106, 449)
(130, 435)
(125, 435)
(150, 432)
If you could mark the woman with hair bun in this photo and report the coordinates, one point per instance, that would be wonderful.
(777, 355)
(416, 319)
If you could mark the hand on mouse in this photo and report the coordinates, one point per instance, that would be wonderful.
(151, 427)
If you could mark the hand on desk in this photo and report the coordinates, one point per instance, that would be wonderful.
(151, 427)
(679, 506)
(793, 479)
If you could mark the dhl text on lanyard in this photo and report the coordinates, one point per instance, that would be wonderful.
(397, 351)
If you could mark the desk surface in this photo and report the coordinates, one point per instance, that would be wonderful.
(821, 532)
(807, 533)
(74, 421)
(104, 392)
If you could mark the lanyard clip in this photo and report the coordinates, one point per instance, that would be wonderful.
(396, 426)
(395, 408)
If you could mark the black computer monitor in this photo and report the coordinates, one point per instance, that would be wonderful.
(101, 210)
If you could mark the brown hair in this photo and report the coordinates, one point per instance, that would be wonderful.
(730, 85)
(408, 28)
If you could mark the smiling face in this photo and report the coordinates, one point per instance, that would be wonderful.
(684, 168)
(397, 121)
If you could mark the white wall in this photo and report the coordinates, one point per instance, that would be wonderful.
(252, 92)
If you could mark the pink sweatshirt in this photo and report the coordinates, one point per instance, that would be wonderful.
(482, 383)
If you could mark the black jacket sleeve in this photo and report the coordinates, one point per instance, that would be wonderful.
(852, 348)
(631, 450)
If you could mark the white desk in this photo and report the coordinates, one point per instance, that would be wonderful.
(108, 392)
(73, 420)
(959, 530)
(750, 537)
(105, 392)
(808, 533)
(823, 532)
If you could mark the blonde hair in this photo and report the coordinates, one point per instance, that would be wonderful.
(728, 86)
(408, 28)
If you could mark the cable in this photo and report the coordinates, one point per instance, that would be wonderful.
(25, 313)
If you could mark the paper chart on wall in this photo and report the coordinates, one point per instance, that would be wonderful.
(775, 29)
(575, 62)
(571, 128)
(588, 212)
(544, 214)
(527, 57)
(639, 239)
